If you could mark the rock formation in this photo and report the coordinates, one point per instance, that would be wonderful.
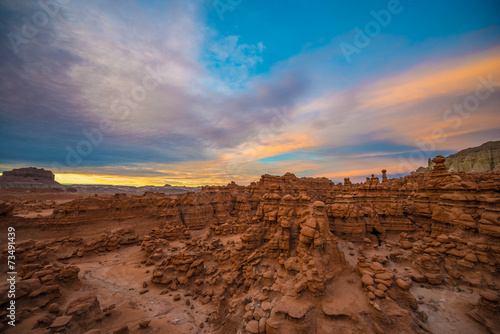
(29, 177)
(30, 172)
(281, 255)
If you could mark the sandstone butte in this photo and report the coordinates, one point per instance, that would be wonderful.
(417, 254)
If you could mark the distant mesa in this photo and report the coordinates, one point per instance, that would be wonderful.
(31, 172)
(112, 189)
(29, 177)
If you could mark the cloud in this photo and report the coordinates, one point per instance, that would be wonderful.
(91, 59)
(381, 123)
(231, 61)
(215, 110)
(405, 107)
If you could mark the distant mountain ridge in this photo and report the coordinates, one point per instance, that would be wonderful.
(31, 177)
(111, 189)
(480, 159)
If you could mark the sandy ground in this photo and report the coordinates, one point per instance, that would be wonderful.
(116, 278)
(446, 309)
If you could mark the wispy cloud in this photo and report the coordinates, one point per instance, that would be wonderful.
(210, 119)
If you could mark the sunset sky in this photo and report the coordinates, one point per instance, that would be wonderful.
(205, 92)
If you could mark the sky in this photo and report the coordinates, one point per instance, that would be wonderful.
(210, 91)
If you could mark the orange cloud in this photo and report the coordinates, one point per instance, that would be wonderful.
(281, 143)
(406, 107)
(358, 174)
(409, 108)
(458, 76)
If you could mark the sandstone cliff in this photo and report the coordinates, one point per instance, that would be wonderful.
(479, 159)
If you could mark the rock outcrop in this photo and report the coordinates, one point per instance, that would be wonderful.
(29, 177)
(480, 159)
(30, 172)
